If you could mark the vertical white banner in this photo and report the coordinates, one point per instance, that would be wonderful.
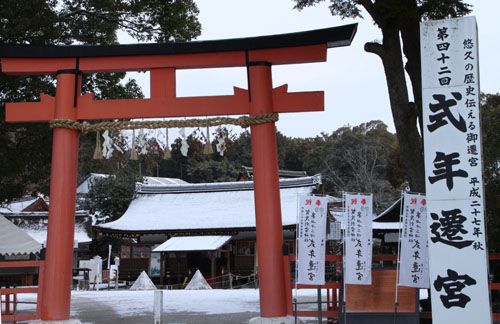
(453, 168)
(413, 261)
(311, 240)
(358, 239)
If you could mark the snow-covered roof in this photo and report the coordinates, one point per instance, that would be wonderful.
(84, 186)
(39, 233)
(385, 225)
(391, 213)
(380, 226)
(14, 241)
(193, 243)
(35, 225)
(17, 206)
(226, 205)
(162, 181)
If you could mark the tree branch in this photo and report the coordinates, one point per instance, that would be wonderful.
(375, 48)
(368, 5)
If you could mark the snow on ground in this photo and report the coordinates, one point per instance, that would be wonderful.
(130, 303)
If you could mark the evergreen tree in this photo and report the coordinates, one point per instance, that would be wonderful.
(109, 197)
(25, 149)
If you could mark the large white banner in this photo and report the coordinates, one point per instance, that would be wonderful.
(453, 168)
(358, 239)
(311, 240)
(413, 261)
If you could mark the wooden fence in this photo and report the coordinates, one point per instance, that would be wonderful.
(9, 296)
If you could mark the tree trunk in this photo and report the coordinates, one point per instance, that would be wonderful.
(410, 35)
(404, 116)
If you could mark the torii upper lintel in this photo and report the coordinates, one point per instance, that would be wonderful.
(162, 60)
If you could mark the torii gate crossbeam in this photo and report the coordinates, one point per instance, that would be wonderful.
(258, 54)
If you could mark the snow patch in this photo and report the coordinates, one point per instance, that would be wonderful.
(143, 282)
(197, 282)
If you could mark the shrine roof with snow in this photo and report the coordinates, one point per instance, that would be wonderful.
(31, 216)
(203, 208)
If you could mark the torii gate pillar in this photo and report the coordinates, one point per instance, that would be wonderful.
(60, 234)
(267, 196)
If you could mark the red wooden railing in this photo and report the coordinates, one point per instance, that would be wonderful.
(332, 310)
(9, 311)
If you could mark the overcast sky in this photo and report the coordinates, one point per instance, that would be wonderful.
(353, 80)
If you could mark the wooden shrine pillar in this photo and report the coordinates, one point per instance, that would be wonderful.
(162, 267)
(267, 195)
(212, 255)
(56, 295)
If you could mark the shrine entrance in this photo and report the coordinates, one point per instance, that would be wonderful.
(68, 109)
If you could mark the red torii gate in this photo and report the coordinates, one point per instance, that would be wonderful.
(258, 54)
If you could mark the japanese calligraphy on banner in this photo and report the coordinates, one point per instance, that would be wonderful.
(413, 262)
(311, 240)
(456, 234)
(358, 239)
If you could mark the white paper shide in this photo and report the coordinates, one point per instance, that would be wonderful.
(358, 239)
(311, 240)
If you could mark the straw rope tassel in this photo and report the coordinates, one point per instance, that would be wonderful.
(166, 154)
(208, 145)
(98, 150)
(133, 152)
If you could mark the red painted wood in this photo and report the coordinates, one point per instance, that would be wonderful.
(494, 256)
(325, 313)
(18, 290)
(287, 55)
(18, 317)
(56, 292)
(20, 264)
(328, 258)
(39, 300)
(267, 197)
(163, 104)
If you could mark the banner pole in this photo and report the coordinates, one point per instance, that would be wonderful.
(297, 253)
(343, 258)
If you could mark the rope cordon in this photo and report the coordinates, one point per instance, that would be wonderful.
(84, 127)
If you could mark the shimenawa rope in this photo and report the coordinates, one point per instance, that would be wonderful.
(244, 122)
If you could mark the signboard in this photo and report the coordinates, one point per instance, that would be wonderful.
(155, 264)
(358, 239)
(453, 168)
(311, 240)
(335, 231)
(414, 261)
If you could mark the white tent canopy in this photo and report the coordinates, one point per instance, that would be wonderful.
(14, 241)
(193, 243)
